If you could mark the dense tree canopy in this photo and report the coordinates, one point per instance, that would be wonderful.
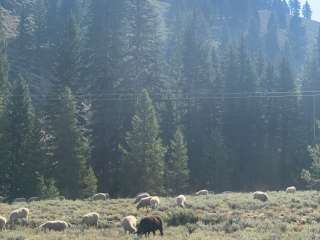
(161, 96)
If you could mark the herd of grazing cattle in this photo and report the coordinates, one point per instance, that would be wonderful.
(146, 225)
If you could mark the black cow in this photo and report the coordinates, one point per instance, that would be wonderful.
(150, 224)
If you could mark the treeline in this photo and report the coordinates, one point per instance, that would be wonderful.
(129, 96)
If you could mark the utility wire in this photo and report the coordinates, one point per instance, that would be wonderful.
(190, 98)
(198, 95)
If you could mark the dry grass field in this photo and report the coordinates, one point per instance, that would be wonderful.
(217, 216)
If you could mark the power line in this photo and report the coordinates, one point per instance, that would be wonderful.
(201, 93)
(118, 96)
(190, 98)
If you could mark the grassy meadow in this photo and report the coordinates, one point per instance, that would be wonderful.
(217, 216)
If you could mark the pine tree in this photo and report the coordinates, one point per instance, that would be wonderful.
(240, 77)
(3, 91)
(1, 25)
(306, 11)
(194, 57)
(30, 38)
(310, 106)
(40, 23)
(253, 37)
(215, 165)
(48, 188)
(177, 172)
(271, 39)
(143, 153)
(170, 118)
(88, 182)
(196, 80)
(285, 7)
(145, 60)
(41, 55)
(297, 38)
(67, 8)
(318, 47)
(290, 140)
(25, 38)
(3, 71)
(105, 72)
(70, 150)
(20, 144)
(311, 80)
(172, 111)
(67, 66)
(266, 127)
(311, 176)
(281, 10)
(295, 7)
(23, 47)
(52, 23)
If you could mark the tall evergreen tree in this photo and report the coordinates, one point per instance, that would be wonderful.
(20, 144)
(4, 89)
(3, 70)
(70, 150)
(312, 175)
(241, 80)
(68, 7)
(318, 47)
(311, 73)
(52, 23)
(1, 25)
(289, 134)
(311, 82)
(145, 39)
(67, 65)
(24, 40)
(196, 81)
(281, 10)
(306, 11)
(23, 47)
(110, 117)
(297, 38)
(253, 37)
(295, 7)
(271, 39)
(143, 152)
(40, 23)
(266, 127)
(41, 55)
(65, 9)
(177, 171)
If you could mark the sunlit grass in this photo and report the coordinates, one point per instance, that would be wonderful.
(221, 216)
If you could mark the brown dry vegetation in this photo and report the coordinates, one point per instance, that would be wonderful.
(219, 216)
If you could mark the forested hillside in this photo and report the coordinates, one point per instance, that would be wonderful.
(165, 96)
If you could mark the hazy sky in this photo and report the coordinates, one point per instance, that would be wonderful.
(315, 4)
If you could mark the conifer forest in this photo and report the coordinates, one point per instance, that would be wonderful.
(162, 96)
